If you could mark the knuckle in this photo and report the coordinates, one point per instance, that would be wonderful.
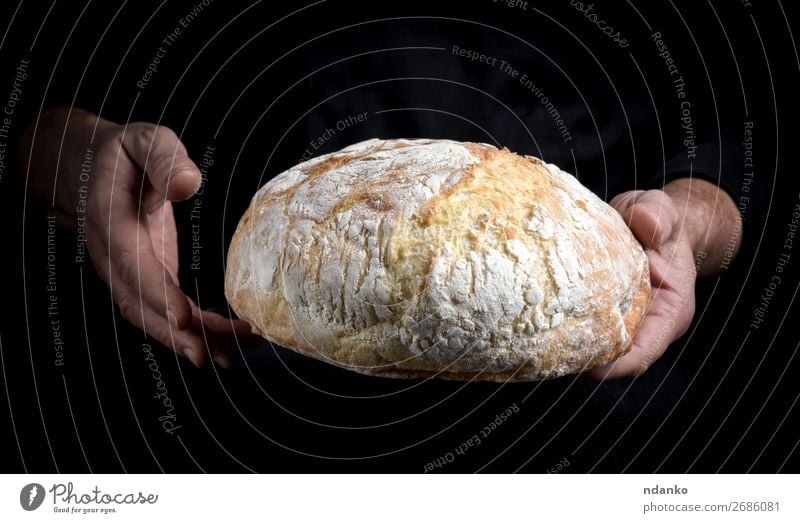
(623, 200)
(129, 266)
(109, 144)
(656, 195)
(146, 136)
(142, 131)
(162, 131)
(155, 133)
(163, 332)
(161, 166)
(129, 307)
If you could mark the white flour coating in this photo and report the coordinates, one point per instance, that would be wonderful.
(443, 161)
(334, 247)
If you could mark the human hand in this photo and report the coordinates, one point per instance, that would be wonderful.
(139, 169)
(655, 220)
(687, 230)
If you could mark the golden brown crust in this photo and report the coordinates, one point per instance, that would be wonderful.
(426, 258)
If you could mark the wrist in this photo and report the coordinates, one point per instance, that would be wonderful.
(78, 134)
(85, 133)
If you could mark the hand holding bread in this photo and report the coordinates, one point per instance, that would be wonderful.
(137, 171)
(398, 258)
(686, 229)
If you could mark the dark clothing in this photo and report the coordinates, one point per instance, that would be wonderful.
(623, 98)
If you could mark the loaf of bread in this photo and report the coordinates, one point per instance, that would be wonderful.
(417, 258)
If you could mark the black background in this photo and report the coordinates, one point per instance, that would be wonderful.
(259, 82)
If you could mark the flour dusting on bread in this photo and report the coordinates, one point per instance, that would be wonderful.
(414, 258)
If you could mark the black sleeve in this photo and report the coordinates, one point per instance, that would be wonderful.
(714, 93)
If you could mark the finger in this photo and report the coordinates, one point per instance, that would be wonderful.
(221, 348)
(158, 152)
(187, 343)
(642, 220)
(234, 329)
(650, 215)
(655, 334)
(190, 342)
(624, 200)
(662, 269)
(224, 335)
(164, 237)
(646, 348)
(198, 342)
(132, 257)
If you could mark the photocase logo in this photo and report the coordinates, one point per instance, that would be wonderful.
(31, 496)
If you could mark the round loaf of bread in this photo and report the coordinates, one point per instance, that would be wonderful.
(416, 258)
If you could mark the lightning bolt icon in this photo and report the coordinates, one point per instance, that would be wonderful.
(32, 495)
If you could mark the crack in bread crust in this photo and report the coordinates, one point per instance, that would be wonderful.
(417, 258)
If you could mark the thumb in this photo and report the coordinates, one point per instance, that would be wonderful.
(651, 215)
(158, 152)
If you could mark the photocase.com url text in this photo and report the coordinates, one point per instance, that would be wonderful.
(731, 506)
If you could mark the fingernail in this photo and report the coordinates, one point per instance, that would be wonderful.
(222, 361)
(198, 185)
(171, 318)
(189, 353)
